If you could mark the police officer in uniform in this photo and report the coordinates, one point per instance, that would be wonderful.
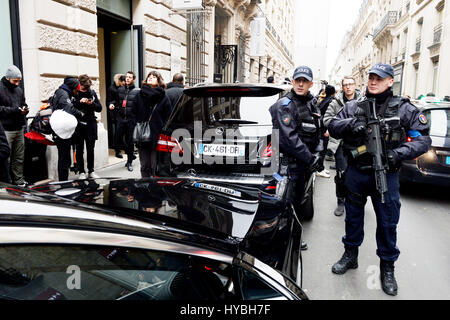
(297, 117)
(402, 119)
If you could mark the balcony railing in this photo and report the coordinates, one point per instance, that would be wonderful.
(277, 37)
(437, 34)
(418, 43)
(389, 19)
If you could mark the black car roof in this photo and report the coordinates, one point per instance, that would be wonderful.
(60, 211)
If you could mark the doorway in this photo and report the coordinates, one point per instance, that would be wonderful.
(120, 47)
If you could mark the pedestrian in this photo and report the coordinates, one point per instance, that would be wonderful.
(296, 118)
(175, 88)
(323, 102)
(64, 99)
(270, 79)
(351, 125)
(112, 102)
(348, 93)
(154, 106)
(86, 132)
(13, 110)
(126, 116)
(4, 156)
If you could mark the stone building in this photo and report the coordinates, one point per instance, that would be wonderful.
(49, 39)
(412, 35)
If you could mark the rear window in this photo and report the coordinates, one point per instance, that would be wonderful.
(439, 120)
(209, 110)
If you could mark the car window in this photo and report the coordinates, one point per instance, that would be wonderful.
(254, 288)
(439, 122)
(51, 272)
(211, 109)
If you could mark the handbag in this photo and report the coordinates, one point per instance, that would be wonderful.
(142, 132)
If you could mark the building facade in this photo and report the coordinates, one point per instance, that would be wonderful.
(412, 35)
(50, 39)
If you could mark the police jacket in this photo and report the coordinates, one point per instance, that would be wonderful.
(297, 119)
(148, 99)
(11, 99)
(63, 99)
(126, 106)
(410, 122)
(88, 122)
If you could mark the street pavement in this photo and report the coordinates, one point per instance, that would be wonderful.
(423, 268)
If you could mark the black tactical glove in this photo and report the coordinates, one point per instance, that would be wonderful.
(316, 164)
(359, 127)
(393, 161)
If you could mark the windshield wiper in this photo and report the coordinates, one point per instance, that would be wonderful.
(236, 121)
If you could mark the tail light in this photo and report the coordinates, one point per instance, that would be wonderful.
(267, 153)
(168, 144)
(408, 139)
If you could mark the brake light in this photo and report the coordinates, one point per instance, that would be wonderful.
(267, 151)
(168, 144)
(408, 139)
(271, 188)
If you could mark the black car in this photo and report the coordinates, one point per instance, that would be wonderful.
(223, 133)
(432, 167)
(154, 239)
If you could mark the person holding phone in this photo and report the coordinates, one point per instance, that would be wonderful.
(86, 132)
(13, 110)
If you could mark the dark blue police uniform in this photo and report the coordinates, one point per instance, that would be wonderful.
(299, 137)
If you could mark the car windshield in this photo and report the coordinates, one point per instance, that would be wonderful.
(439, 122)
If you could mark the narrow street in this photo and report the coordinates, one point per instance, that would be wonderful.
(422, 270)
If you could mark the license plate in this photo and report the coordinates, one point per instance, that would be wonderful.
(447, 160)
(221, 150)
(211, 187)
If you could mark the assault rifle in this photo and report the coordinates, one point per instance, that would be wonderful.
(374, 145)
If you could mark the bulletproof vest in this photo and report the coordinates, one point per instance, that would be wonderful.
(390, 127)
(308, 126)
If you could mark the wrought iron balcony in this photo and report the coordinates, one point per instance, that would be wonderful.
(389, 19)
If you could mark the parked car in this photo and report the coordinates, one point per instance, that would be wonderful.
(223, 133)
(432, 167)
(153, 239)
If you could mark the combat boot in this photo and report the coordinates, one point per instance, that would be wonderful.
(349, 260)
(388, 282)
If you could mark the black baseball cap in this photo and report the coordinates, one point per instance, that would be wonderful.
(303, 71)
(382, 70)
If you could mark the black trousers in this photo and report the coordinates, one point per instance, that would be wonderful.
(64, 159)
(125, 137)
(90, 147)
(339, 179)
(147, 158)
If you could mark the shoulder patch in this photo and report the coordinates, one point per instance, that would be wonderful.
(286, 118)
(286, 101)
(423, 119)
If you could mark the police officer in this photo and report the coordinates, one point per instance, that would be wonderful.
(402, 119)
(297, 119)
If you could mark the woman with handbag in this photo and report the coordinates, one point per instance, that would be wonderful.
(153, 111)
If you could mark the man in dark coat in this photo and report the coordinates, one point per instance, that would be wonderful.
(175, 89)
(64, 99)
(4, 155)
(88, 103)
(112, 102)
(13, 110)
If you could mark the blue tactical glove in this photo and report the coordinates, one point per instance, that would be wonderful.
(316, 164)
(359, 127)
